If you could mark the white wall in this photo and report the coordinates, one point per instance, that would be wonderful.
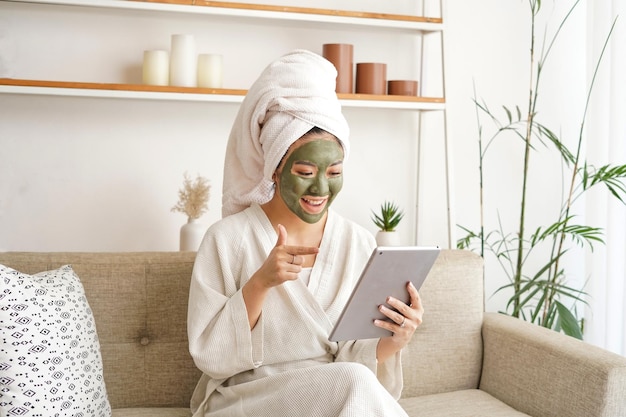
(102, 174)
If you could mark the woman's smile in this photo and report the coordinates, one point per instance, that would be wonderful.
(313, 205)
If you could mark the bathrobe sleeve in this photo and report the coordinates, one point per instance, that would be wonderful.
(217, 315)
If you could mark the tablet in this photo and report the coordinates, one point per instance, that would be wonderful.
(386, 273)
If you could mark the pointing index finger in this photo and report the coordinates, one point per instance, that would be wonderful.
(302, 250)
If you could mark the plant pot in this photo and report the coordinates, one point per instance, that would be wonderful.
(191, 234)
(384, 238)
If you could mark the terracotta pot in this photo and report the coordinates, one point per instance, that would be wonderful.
(402, 87)
(371, 78)
(340, 54)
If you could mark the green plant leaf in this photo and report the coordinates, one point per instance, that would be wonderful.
(538, 307)
(465, 242)
(523, 302)
(567, 322)
(550, 317)
(389, 218)
(569, 292)
(508, 114)
(543, 131)
(612, 177)
(579, 234)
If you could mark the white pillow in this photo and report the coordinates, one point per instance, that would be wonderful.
(50, 363)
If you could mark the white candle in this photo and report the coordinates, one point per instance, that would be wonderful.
(183, 61)
(156, 67)
(210, 70)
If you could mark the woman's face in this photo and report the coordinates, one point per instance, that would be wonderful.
(312, 176)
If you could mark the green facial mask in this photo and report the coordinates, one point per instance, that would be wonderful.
(311, 178)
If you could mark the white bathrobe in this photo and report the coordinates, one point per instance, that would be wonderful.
(285, 366)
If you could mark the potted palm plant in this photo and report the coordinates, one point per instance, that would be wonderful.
(387, 221)
(542, 294)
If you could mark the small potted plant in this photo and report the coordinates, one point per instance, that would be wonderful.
(193, 199)
(387, 221)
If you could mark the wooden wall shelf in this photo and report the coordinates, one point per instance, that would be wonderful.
(302, 10)
(140, 91)
(380, 20)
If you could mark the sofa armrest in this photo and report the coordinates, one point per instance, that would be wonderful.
(544, 373)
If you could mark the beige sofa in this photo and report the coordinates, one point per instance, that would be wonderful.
(462, 362)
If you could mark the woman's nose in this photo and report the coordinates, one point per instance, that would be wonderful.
(320, 186)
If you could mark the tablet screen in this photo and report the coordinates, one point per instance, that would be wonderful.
(386, 273)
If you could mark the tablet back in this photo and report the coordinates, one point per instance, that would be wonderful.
(387, 272)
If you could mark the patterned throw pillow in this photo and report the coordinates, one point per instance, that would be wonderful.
(50, 363)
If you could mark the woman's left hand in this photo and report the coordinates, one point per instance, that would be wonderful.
(402, 323)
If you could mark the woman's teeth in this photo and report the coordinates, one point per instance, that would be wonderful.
(314, 202)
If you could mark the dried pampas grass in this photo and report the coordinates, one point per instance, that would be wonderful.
(193, 198)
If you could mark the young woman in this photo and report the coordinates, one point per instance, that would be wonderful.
(272, 277)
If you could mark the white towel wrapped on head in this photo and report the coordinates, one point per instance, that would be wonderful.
(291, 96)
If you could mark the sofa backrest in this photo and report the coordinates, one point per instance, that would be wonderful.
(445, 353)
(139, 302)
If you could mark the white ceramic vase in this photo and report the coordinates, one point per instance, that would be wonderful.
(191, 234)
(384, 238)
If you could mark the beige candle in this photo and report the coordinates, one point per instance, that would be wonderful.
(156, 67)
(210, 70)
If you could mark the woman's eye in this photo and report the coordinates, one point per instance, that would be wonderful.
(304, 173)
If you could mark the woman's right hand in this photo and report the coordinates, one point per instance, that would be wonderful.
(284, 263)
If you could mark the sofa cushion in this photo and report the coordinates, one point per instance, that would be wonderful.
(50, 353)
(465, 403)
